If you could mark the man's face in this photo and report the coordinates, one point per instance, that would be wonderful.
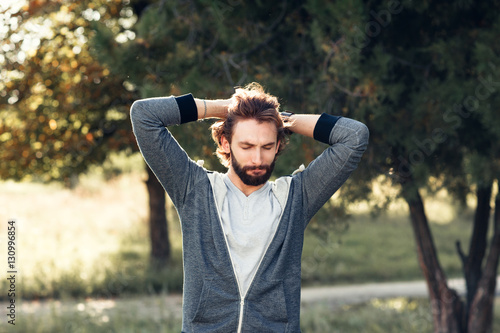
(252, 175)
(253, 151)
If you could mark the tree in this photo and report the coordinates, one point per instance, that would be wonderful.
(423, 76)
(61, 111)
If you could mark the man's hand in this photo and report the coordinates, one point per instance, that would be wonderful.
(303, 124)
(212, 108)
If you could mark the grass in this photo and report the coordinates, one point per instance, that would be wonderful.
(154, 314)
(89, 241)
(393, 315)
(378, 249)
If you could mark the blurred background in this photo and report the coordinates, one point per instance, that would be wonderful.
(98, 242)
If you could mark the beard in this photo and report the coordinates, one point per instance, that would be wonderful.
(251, 180)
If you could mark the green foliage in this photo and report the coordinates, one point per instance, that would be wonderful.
(207, 48)
(60, 111)
(426, 71)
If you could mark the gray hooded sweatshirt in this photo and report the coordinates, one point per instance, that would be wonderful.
(212, 301)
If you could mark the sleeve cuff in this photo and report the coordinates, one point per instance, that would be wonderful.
(187, 108)
(324, 127)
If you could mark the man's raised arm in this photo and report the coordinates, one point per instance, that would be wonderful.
(170, 163)
(348, 140)
(216, 108)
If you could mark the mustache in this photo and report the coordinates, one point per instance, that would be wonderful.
(257, 167)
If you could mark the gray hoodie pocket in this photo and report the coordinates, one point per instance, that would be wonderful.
(266, 309)
(217, 306)
(205, 292)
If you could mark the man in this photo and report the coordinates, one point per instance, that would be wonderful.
(242, 235)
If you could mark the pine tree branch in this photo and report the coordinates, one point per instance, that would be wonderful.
(331, 52)
(347, 91)
(212, 45)
(426, 68)
(280, 17)
(256, 47)
(408, 63)
(224, 61)
(460, 252)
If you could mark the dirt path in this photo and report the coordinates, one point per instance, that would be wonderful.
(351, 294)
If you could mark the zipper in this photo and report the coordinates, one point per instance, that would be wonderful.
(240, 321)
(242, 297)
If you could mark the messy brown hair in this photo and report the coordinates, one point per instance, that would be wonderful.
(249, 102)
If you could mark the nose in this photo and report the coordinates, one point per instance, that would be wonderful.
(257, 158)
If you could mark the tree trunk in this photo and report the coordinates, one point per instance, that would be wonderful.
(480, 317)
(472, 263)
(158, 231)
(449, 313)
(447, 307)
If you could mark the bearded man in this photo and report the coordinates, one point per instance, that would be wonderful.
(242, 234)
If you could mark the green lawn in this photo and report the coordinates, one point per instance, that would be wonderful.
(153, 315)
(378, 249)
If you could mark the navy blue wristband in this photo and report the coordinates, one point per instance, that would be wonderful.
(187, 107)
(324, 127)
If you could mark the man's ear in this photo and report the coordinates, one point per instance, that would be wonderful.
(277, 146)
(225, 144)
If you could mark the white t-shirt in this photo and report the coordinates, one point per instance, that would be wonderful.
(249, 224)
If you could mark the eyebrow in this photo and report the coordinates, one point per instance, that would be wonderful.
(246, 143)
